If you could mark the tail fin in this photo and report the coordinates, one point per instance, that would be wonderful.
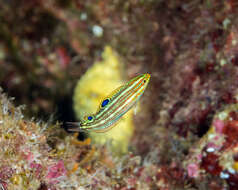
(74, 126)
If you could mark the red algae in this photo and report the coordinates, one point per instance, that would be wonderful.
(64, 58)
(210, 164)
(37, 168)
(193, 170)
(219, 125)
(233, 181)
(231, 132)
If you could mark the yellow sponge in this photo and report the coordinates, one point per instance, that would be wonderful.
(98, 82)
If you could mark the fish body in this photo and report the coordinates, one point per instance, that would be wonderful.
(114, 106)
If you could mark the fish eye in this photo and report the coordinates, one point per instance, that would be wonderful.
(90, 118)
(105, 102)
(144, 81)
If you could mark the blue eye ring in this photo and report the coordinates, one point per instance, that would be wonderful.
(90, 118)
(105, 102)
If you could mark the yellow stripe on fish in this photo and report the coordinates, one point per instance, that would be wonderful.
(114, 106)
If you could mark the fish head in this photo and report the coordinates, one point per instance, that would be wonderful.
(139, 84)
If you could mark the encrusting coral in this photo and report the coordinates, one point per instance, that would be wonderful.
(26, 158)
(36, 155)
(32, 156)
(217, 151)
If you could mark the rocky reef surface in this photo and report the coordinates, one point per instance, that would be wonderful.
(185, 134)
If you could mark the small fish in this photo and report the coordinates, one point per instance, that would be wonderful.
(114, 106)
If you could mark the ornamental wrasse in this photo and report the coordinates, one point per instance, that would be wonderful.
(113, 107)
